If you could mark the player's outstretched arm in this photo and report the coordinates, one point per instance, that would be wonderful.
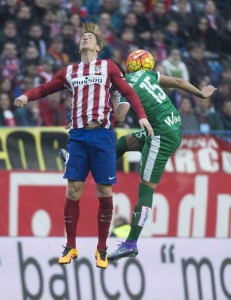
(178, 83)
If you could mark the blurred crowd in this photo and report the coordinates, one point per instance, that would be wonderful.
(190, 39)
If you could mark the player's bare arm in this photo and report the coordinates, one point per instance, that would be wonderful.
(171, 82)
(121, 111)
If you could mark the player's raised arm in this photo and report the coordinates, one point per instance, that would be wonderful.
(171, 82)
(56, 84)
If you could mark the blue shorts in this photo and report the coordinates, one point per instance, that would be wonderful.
(91, 150)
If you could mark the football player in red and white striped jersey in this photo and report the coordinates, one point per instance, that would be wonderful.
(91, 144)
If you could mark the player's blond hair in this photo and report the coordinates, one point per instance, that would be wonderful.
(93, 28)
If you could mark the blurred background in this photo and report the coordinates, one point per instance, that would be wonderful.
(185, 247)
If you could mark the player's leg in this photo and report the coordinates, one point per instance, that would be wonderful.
(130, 142)
(105, 212)
(155, 155)
(76, 172)
(103, 168)
(71, 217)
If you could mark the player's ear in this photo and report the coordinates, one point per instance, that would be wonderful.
(98, 49)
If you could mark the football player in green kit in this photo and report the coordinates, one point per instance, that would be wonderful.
(155, 151)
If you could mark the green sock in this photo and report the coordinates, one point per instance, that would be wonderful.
(141, 212)
(121, 146)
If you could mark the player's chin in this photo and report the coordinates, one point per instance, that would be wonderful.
(84, 47)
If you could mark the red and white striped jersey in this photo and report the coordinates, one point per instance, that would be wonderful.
(90, 86)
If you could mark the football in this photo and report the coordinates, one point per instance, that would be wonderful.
(140, 60)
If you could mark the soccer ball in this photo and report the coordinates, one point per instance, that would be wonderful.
(140, 60)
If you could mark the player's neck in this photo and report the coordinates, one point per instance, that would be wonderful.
(87, 57)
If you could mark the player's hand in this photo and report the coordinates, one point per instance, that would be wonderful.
(145, 124)
(207, 91)
(21, 101)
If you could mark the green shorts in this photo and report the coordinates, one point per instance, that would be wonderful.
(156, 152)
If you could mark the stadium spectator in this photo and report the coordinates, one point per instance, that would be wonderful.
(31, 70)
(9, 62)
(173, 37)
(206, 115)
(23, 21)
(30, 55)
(71, 48)
(203, 33)
(9, 34)
(7, 117)
(187, 114)
(77, 7)
(52, 110)
(130, 21)
(6, 86)
(196, 63)
(105, 25)
(159, 17)
(24, 83)
(112, 8)
(29, 115)
(183, 13)
(174, 66)
(127, 42)
(143, 28)
(8, 10)
(56, 52)
(225, 40)
(158, 42)
(76, 22)
(50, 24)
(222, 95)
(216, 21)
(39, 8)
(36, 38)
(46, 69)
(58, 8)
(225, 115)
(109, 36)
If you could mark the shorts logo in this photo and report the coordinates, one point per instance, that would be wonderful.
(172, 120)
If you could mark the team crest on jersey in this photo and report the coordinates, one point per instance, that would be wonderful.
(98, 69)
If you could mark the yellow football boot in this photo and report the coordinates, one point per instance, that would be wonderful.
(68, 255)
(101, 259)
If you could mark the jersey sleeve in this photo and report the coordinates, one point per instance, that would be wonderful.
(119, 99)
(56, 84)
(124, 88)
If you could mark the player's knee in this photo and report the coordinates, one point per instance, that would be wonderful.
(104, 190)
(74, 190)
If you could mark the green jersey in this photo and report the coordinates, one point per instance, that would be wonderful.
(160, 111)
